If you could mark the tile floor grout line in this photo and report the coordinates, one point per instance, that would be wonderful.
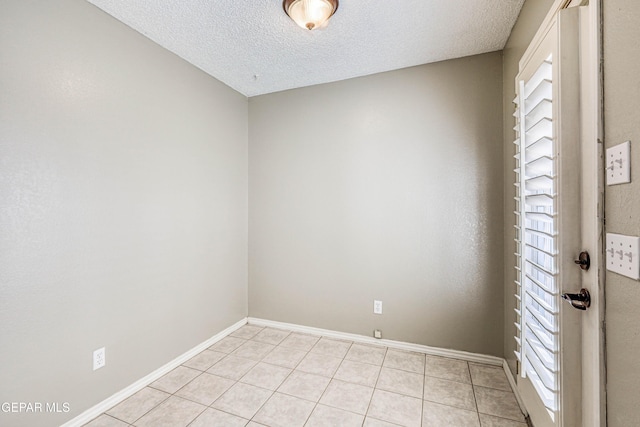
(375, 386)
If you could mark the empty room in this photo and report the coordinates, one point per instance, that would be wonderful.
(319, 213)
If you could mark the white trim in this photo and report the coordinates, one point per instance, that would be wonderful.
(514, 387)
(126, 392)
(433, 351)
(544, 28)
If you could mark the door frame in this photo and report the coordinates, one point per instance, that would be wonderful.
(593, 331)
(592, 169)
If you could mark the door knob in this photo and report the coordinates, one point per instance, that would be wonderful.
(581, 300)
(584, 261)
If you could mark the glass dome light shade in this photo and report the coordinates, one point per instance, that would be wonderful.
(310, 14)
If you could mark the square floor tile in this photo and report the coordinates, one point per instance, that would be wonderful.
(319, 364)
(282, 410)
(402, 382)
(489, 376)
(106, 421)
(436, 415)
(366, 354)
(266, 376)
(242, 400)
(175, 380)
(232, 367)
(271, 336)
(227, 344)
(326, 416)
(284, 356)
(132, 408)
(396, 408)
(173, 412)
(404, 360)
(305, 386)
(247, 332)
(214, 418)
(253, 350)
(204, 360)
(335, 348)
(500, 403)
(450, 393)
(300, 341)
(491, 421)
(347, 396)
(205, 389)
(448, 369)
(358, 373)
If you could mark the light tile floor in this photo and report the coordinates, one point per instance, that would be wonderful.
(271, 377)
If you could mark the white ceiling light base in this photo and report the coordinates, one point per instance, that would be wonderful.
(310, 14)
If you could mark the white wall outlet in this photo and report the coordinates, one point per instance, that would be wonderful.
(377, 307)
(619, 164)
(99, 358)
(377, 334)
(623, 253)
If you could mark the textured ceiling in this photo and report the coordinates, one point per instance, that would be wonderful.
(253, 46)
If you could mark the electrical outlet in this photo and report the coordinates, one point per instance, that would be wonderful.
(619, 164)
(377, 307)
(99, 358)
(377, 334)
(623, 254)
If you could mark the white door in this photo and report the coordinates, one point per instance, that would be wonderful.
(554, 152)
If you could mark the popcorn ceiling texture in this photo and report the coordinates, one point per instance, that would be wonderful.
(255, 48)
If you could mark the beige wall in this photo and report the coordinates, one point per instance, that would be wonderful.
(123, 206)
(384, 187)
(621, 32)
(529, 20)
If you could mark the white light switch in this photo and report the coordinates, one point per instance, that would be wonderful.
(618, 164)
(622, 255)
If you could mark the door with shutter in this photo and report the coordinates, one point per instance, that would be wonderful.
(547, 118)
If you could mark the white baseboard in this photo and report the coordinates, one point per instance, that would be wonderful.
(514, 387)
(118, 397)
(433, 351)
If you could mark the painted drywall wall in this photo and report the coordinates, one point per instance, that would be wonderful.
(123, 206)
(621, 33)
(384, 187)
(531, 16)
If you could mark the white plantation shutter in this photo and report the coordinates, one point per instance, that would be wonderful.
(537, 293)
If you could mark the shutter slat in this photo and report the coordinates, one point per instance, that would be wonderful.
(540, 200)
(540, 183)
(540, 166)
(546, 325)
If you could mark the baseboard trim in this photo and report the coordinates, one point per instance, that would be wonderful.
(118, 397)
(514, 387)
(419, 348)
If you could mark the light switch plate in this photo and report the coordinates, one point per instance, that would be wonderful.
(623, 255)
(619, 164)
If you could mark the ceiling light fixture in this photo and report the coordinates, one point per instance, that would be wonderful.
(310, 14)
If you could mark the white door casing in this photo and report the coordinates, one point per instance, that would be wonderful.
(571, 38)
